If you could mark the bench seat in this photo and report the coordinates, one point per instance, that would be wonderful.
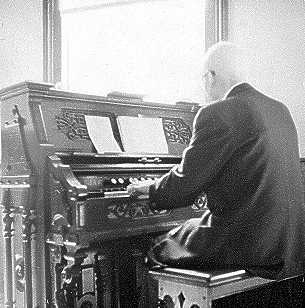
(184, 288)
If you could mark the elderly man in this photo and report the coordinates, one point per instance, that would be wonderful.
(244, 155)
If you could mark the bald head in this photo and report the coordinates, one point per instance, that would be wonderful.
(228, 65)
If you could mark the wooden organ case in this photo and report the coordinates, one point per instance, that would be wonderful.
(71, 236)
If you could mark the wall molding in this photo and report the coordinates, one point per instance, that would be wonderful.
(216, 21)
(51, 41)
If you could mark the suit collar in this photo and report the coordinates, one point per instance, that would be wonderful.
(238, 89)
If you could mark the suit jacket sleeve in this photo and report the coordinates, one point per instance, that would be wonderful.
(212, 144)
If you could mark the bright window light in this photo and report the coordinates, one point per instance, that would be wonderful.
(149, 47)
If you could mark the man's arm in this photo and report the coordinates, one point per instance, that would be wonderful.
(211, 146)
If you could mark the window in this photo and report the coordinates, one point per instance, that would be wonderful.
(149, 47)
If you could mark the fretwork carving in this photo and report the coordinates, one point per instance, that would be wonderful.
(177, 131)
(72, 123)
(140, 210)
(132, 210)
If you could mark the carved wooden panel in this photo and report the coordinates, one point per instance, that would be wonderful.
(71, 122)
(177, 131)
(132, 210)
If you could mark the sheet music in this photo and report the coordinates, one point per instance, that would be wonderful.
(101, 135)
(142, 135)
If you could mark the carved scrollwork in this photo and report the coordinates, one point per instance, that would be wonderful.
(132, 210)
(177, 131)
(73, 124)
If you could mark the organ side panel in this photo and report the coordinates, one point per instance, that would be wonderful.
(18, 190)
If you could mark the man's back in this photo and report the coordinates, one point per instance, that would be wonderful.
(256, 197)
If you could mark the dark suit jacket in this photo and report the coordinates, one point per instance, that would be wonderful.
(244, 155)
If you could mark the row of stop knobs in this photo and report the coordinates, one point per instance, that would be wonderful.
(131, 180)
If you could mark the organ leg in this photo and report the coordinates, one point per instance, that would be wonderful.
(8, 233)
(141, 276)
(103, 272)
(28, 225)
(71, 279)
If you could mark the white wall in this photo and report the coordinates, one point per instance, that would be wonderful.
(21, 41)
(275, 31)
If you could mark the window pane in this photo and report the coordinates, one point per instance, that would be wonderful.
(151, 47)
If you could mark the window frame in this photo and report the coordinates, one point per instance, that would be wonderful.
(216, 29)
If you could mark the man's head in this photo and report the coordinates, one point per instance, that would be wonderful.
(225, 65)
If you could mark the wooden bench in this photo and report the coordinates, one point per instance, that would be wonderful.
(181, 288)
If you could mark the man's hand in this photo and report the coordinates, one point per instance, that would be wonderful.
(140, 190)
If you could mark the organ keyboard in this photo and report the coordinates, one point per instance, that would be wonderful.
(99, 200)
